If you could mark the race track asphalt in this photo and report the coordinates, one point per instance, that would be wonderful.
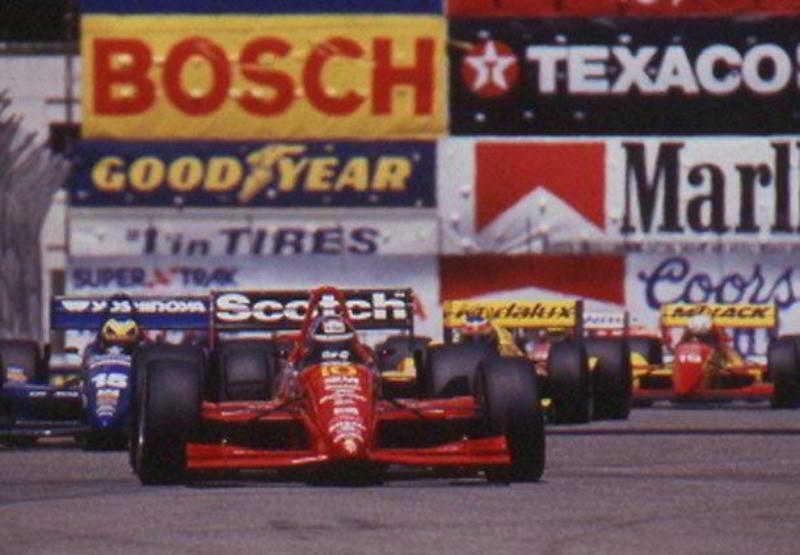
(724, 480)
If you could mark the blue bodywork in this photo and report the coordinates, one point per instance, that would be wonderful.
(34, 409)
(105, 390)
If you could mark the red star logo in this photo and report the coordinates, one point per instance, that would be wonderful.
(490, 68)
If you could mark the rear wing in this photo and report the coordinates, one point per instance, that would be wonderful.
(517, 314)
(739, 315)
(606, 321)
(285, 310)
(158, 313)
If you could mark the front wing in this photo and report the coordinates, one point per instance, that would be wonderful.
(660, 386)
(463, 451)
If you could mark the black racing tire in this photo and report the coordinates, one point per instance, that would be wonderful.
(244, 370)
(25, 354)
(783, 369)
(395, 348)
(569, 383)
(650, 348)
(612, 377)
(508, 392)
(168, 417)
(450, 369)
(143, 359)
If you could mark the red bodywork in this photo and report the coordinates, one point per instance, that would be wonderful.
(688, 378)
(333, 413)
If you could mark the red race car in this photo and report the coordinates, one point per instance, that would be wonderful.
(318, 406)
(705, 366)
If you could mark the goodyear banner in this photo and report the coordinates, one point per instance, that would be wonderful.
(260, 6)
(633, 75)
(248, 76)
(265, 174)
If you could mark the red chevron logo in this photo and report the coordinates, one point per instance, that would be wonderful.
(507, 171)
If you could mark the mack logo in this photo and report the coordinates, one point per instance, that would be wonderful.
(737, 312)
(731, 193)
(273, 170)
(239, 308)
(717, 69)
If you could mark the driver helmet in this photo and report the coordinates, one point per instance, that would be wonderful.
(332, 329)
(476, 328)
(121, 331)
(699, 324)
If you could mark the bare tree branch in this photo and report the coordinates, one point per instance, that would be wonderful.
(29, 176)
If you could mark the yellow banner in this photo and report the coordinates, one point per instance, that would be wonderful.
(261, 77)
(726, 315)
(513, 314)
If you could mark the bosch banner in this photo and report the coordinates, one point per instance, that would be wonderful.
(286, 173)
(246, 236)
(753, 277)
(249, 76)
(559, 195)
(624, 75)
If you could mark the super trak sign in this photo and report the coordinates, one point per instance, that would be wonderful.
(245, 77)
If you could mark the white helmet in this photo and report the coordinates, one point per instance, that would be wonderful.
(700, 323)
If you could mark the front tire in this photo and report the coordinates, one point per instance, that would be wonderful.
(507, 389)
(168, 415)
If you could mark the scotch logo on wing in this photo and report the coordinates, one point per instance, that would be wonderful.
(508, 171)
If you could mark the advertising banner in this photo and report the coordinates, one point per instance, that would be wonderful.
(573, 195)
(153, 276)
(582, 8)
(258, 77)
(654, 280)
(246, 236)
(578, 76)
(265, 174)
(260, 6)
(599, 279)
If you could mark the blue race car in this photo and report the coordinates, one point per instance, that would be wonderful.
(38, 399)
(30, 405)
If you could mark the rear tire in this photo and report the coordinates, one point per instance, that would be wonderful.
(612, 377)
(450, 369)
(507, 389)
(244, 370)
(569, 383)
(783, 369)
(168, 400)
